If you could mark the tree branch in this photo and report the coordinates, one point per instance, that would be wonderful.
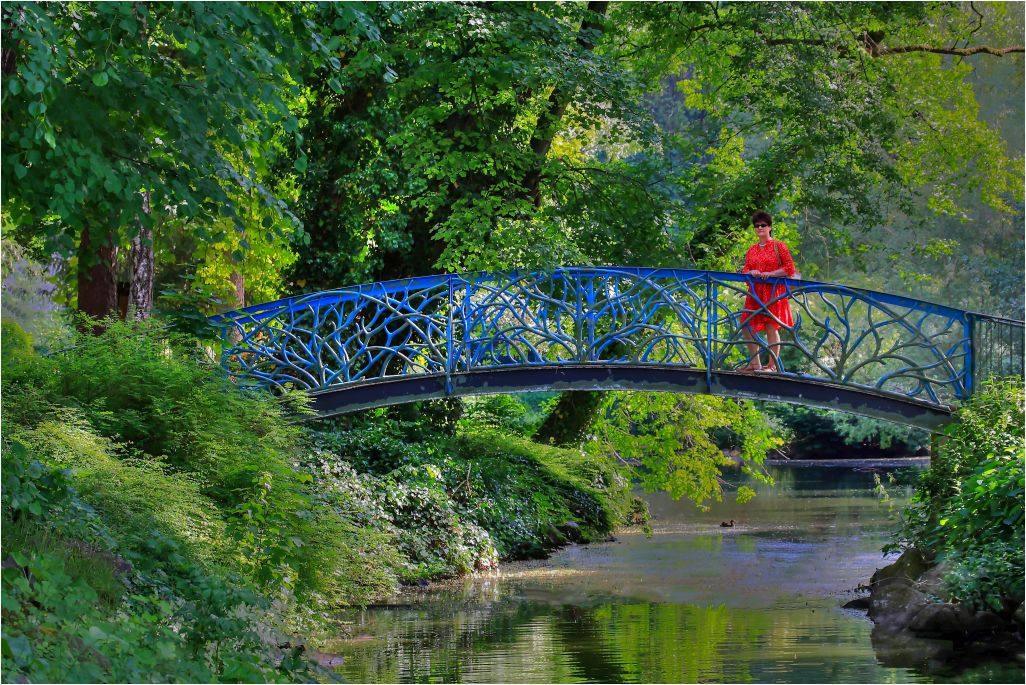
(875, 49)
(964, 52)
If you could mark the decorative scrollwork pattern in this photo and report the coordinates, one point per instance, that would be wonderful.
(455, 324)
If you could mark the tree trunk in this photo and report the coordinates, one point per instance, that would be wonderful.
(568, 422)
(576, 410)
(545, 130)
(97, 283)
(140, 293)
(239, 286)
(238, 279)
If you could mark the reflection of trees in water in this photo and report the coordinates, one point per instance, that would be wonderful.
(439, 640)
(511, 639)
(613, 642)
(667, 642)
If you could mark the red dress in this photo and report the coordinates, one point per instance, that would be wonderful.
(764, 258)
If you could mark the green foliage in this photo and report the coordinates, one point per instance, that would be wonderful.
(427, 148)
(670, 440)
(82, 605)
(570, 417)
(145, 387)
(432, 531)
(506, 413)
(133, 495)
(15, 343)
(826, 434)
(523, 493)
(107, 100)
(376, 445)
(801, 107)
(164, 447)
(516, 492)
(404, 498)
(968, 507)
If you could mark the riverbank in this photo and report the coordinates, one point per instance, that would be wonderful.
(882, 463)
(693, 603)
(919, 623)
(955, 595)
(155, 513)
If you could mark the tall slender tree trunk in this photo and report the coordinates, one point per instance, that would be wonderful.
(576, 410)
(97, 282)
(559, 99)
(239, 283)
(569, 421)
(239, 287)
(140, 294)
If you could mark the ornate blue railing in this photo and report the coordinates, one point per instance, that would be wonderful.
(450, 325)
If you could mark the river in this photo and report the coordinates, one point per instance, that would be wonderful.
(696, 602)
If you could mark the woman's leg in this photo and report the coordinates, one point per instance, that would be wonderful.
(773, 338)
(754, 362)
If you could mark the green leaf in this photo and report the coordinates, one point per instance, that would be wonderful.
(300, 164)
(17, 647)
(100, 79)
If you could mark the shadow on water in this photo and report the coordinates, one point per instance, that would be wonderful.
(696, 602)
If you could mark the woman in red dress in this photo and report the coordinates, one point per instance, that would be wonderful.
(768, 258)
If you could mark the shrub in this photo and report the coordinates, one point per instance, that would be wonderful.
(516, 490)
(431, 529)
(82, 606)
(968, 506)
(16, 343)
(503, 412)
(520, 490)
(133, 495)
(156, 432)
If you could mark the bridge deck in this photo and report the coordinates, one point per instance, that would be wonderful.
(517, 379)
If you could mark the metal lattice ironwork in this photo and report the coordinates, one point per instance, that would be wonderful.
(449, 326)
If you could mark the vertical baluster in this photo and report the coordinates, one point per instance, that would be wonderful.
(971, 328)
(990, 350)
(710, 316)
(448, 340)
(578, 322)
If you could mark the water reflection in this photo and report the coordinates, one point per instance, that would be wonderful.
(755, 603)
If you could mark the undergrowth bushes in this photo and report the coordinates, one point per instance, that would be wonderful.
(161, 523)
(968, 506)
(125, 453)
(529, 498)
(81, 604)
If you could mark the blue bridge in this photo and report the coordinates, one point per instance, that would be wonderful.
(617, 328)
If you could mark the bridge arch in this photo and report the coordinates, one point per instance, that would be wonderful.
(610, 328)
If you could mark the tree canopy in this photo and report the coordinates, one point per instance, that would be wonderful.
(392, 139)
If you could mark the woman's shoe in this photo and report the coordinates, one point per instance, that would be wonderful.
(769, 368)
(751, 368)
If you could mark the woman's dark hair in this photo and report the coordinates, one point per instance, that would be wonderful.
(762, 217)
